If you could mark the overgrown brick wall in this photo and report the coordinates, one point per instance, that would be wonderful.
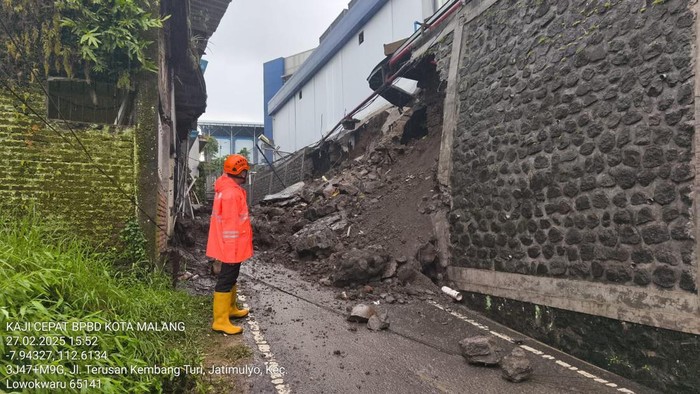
(39, 169)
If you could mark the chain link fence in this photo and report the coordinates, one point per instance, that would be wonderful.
(290, 170)
(262, 179)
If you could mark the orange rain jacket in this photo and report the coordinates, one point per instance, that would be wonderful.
(230, 233)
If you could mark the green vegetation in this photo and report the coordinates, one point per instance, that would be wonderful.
(238, 352)
(49, 175)
(617, 360)
(133, 248)
(47, 276)
(245, 153)
(99, 39)
(211, 165)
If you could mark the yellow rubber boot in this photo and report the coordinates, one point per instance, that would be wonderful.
(222, 304)
(235, 312)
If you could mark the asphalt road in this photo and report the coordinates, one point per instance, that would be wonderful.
(302, 328)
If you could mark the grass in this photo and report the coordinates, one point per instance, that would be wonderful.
(238, 352)
(225, 351)
(48, 276)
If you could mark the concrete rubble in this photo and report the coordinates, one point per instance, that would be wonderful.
(361, 313)
(361, 223)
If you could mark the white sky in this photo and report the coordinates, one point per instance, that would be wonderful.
(251, 33)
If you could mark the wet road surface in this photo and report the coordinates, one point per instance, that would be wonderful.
(302, 326)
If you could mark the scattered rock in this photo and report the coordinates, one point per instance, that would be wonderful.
(412, 291)
(315, 212)
(480, 350)
(185, 276)
(425, 282)
(361, 313)
(348, 188)
(273, 212)
(516, 367)
(330, 191)
(378, 322)
(390, 269)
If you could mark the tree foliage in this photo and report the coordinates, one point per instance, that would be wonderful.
(104, 40)
(245, 153)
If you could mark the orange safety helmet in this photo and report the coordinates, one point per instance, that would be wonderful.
(235, 164)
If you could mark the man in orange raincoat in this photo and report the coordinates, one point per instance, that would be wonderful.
(230, 241)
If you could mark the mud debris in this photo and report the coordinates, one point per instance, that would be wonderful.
(362, 217)
(366, 217)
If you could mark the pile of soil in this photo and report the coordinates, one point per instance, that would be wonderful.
(368, 220)
(364, 226)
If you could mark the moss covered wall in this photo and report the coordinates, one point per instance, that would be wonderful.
(146, 156)
(40, 169)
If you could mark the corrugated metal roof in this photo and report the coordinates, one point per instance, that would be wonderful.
(205, 16)
(355, 18)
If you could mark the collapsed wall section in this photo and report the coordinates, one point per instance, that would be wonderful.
(574, 175)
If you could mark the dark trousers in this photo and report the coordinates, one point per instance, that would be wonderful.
(227, 277)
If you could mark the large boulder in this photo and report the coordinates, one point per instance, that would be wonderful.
(315, 212)
(516, 367)
(360, 266)
(481, 350)
(313, 241)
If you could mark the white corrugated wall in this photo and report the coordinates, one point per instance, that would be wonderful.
(342, 83)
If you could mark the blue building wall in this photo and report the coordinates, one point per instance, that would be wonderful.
(273, 71)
